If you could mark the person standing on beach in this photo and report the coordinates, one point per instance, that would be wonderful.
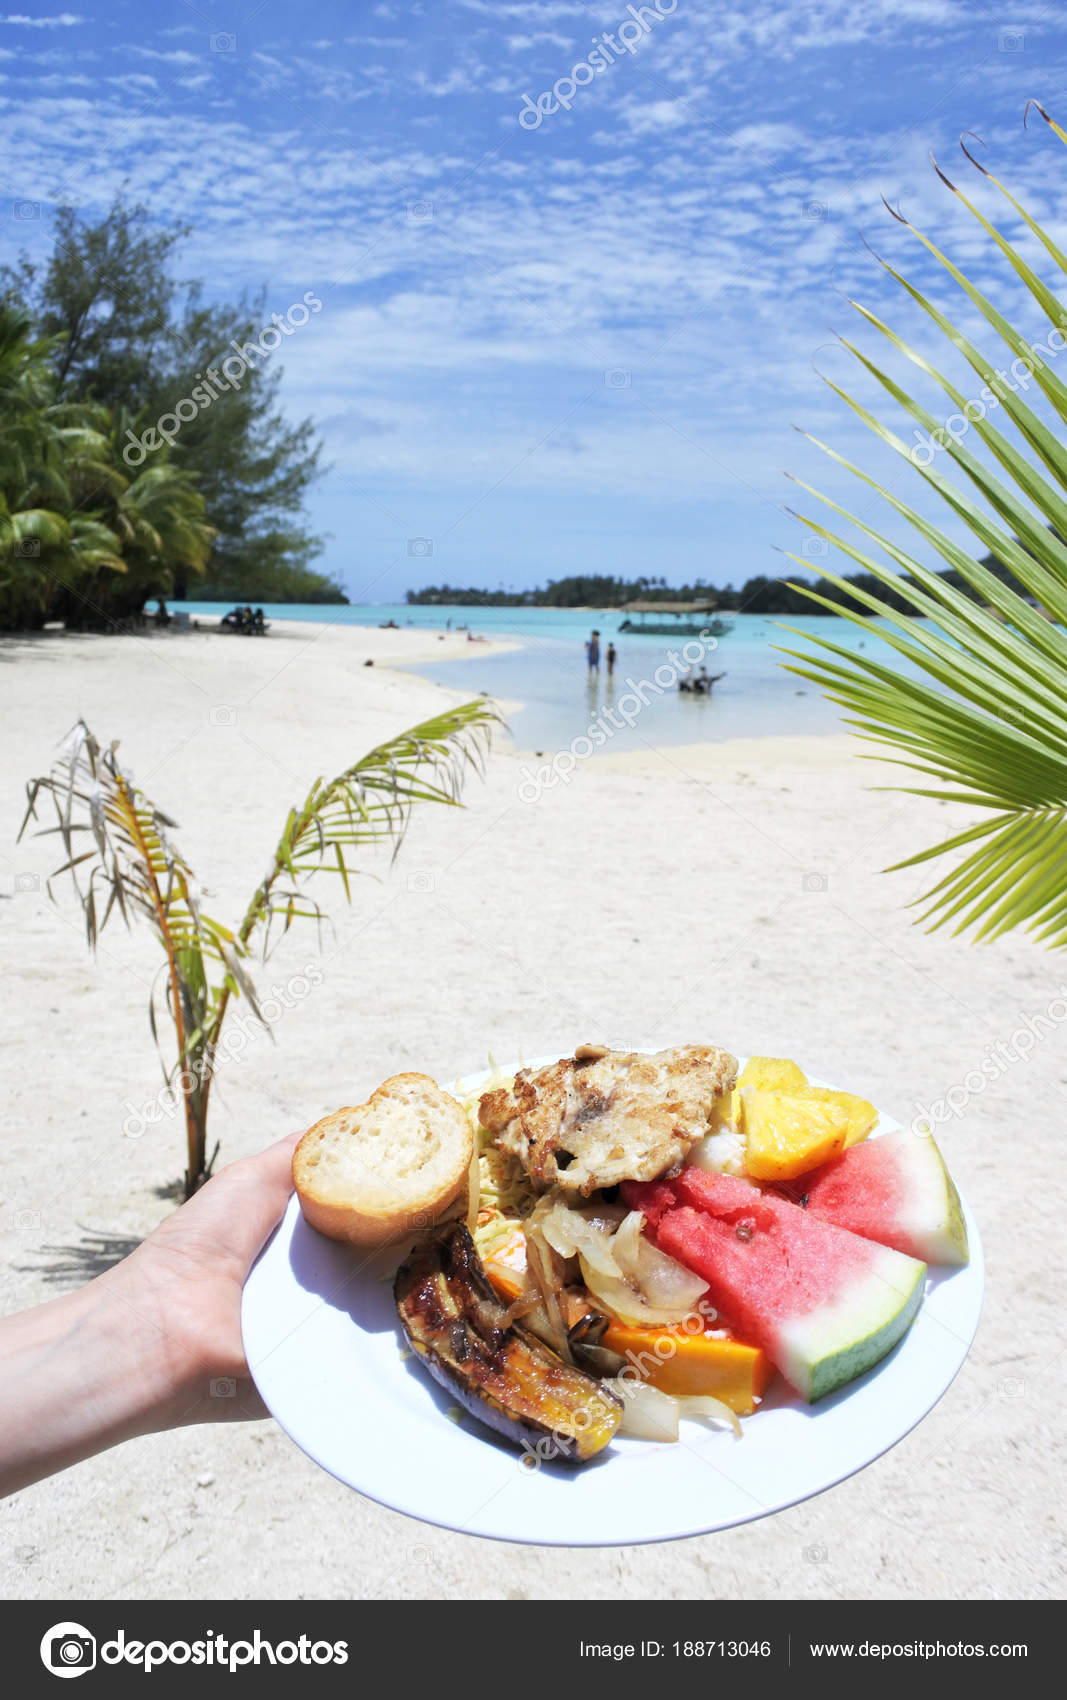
(611, 659)
(592, 652)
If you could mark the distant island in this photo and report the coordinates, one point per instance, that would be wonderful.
(759, 595)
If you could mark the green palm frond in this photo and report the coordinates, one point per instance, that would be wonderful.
(369, 802)
(37, 525)
(161, 514)
(113, 833)
(83, 416)
(981, 712)
(93, 544)
(121, 855)
(104, 819)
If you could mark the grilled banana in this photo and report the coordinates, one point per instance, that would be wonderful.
(502, 1374)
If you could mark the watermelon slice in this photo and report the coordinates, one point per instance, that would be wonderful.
(895, 1190)
(824, 1304)
(652, 1198)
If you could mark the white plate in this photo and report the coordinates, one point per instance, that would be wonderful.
(321, 1335)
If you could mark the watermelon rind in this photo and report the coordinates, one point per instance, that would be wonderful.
(849, 1334)
(926, 1221)
(936, 1221)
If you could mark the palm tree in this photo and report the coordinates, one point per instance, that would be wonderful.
(156, 516)
(983, 715)
(161, 521)
(80, 537)
(24, 525)
(117, 836)
(44, 542)
(25, 379)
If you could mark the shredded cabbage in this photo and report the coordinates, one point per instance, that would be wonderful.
(500, 1195)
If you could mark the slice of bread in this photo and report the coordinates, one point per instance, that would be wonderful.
(382, 1170)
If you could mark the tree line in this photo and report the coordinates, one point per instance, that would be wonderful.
(126, 471)
(758, 595)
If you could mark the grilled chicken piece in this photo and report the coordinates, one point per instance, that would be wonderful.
(502, 1374)
(601, 1117)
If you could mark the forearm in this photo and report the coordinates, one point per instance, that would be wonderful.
(77, 1375)
(153, 1343)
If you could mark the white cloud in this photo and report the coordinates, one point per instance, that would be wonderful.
(523, 43)
(65, 20)
(172, 56)
(655, 115)
(529, 12)
(456, 81)
(769, 138)
(134, 82)
(62, 80)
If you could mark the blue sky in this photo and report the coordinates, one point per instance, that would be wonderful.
(572, 345)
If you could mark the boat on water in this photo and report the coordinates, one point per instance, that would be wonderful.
(674, 619)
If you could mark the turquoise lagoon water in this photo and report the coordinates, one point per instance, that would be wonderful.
(552, 699)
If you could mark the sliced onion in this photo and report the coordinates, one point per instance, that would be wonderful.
(664, 1281)
(625, 1273)
(607, 1217)
(545, 1277)
(627, 1242)
(648, 1414)
(569, 1232)
(593, 1246)
(525, 1309)
(556, 1230)
(703, 1405)
(621, 1300)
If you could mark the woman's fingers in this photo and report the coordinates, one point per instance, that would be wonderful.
(236, 1211)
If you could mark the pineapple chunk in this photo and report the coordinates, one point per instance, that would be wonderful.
(861, 1114)
(797, 1134)
(788, 1133)
(772, 1074)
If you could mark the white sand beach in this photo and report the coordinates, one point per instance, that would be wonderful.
(729, 893)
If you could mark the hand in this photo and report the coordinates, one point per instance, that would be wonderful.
(151, 1344)
(185, 1281)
